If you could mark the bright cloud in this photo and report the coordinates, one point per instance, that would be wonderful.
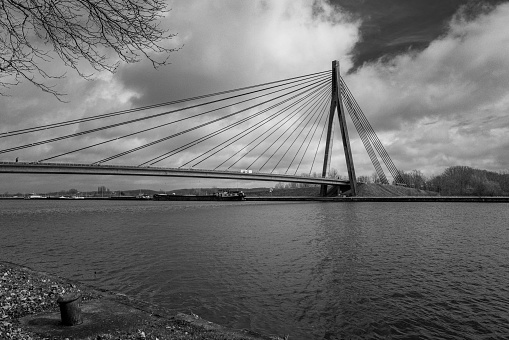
(228, 44)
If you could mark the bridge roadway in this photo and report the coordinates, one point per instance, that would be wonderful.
(122, 170)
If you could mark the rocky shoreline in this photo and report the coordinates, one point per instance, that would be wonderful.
(29, 311)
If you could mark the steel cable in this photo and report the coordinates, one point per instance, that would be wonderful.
(376, 141)
(122, 112)
(243, 133)
(277, 149)
(119, 124)
(323, 114)
(274, 128)
(319, 141)
(188, 130)
(315, 109)
(169, 123)
(364, 138)
(213, 134)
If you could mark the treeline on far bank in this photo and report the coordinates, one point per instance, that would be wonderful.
(461, 181)
(454, 181)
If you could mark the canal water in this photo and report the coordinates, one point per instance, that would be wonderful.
(307, 270)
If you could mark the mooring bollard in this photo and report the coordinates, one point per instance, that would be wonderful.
(70, 311)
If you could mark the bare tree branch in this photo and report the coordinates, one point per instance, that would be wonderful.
(100, 32)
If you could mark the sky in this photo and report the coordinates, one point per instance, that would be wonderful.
(430, 75)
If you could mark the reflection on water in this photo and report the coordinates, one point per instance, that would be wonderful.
(310, 270)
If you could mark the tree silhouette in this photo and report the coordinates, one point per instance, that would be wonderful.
(102, 33)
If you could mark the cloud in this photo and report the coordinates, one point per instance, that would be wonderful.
(459, 82)
(228, 44)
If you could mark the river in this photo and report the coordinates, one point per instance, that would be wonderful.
(307, 270)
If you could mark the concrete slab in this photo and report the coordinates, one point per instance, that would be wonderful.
(99, 316)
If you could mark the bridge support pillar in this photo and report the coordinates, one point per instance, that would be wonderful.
(337, 105)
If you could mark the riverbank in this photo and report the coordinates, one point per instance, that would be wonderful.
(28, 311)
(444, 199)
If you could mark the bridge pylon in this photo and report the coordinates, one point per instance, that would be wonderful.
(337, 106)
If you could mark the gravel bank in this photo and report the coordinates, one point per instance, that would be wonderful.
(25, 293)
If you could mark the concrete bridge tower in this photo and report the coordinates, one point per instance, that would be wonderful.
(337, 105)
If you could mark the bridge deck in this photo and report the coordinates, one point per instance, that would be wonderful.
(124, 170)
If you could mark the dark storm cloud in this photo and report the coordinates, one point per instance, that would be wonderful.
(391, 27)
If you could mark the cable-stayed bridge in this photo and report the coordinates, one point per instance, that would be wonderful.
(280, 131)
